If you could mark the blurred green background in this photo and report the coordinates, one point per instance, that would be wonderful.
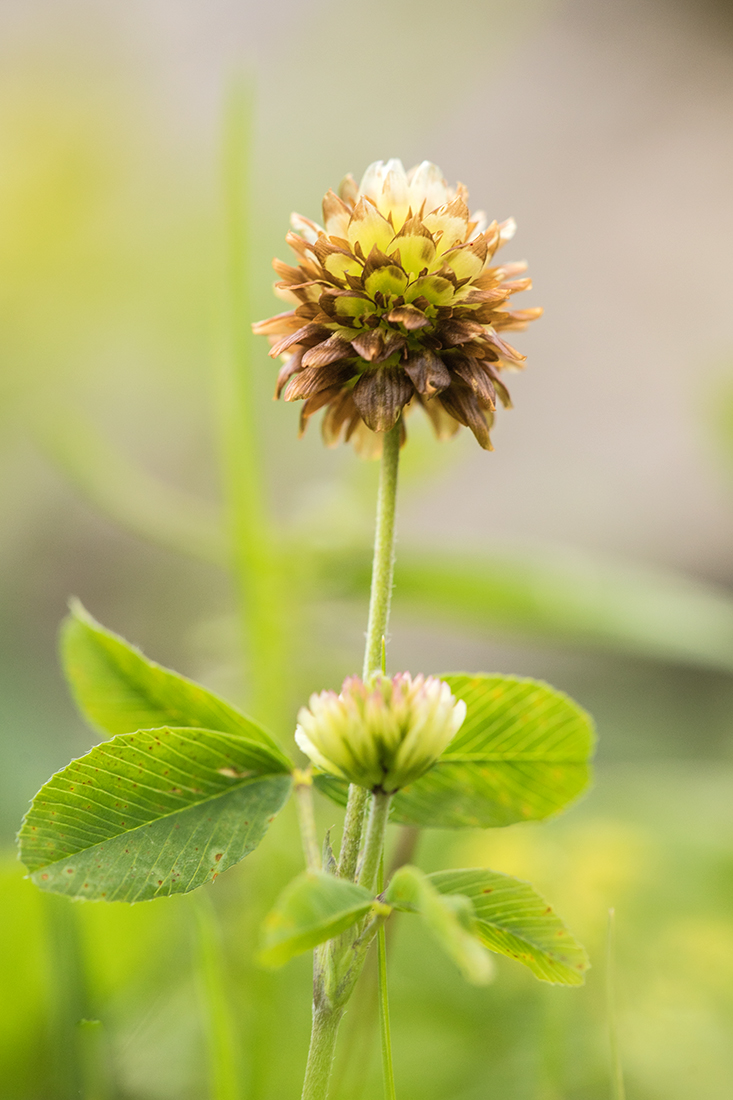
(593, 548)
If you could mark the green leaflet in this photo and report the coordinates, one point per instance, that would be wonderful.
(521, 755)
(313, 908)
(119, 690)
(449, 918)
(335, 789)
(152, 813)
(513, 919)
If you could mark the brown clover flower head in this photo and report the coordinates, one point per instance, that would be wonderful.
(398, 303)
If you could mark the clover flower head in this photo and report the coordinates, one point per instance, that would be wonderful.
(397, 303)
(382, 734)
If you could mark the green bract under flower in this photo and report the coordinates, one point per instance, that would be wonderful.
(397, 303)
(381, 735)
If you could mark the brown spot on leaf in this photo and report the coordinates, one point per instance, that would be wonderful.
(218, 856)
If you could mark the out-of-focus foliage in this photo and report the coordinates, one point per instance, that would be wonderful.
(654, 841)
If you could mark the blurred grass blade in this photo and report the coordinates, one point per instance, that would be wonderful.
(66, 984)
(513, 919)
(313, 908)
(152, 813)
(93, 1043)
(522, 754)
(224, 1075)
(119, 690)
(449, 918)
(124, 492)
(617, 1072)
(561, 596)
(254, 553)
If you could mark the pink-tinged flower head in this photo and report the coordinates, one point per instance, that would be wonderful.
(381, 735)
(397, 303)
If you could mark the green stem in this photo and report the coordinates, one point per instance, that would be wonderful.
(387, 1067)
(374, 843)
(383, 562)
(353, 828)
(379, 602)
(320, 1055)
(326, 1019)
(617, 1082)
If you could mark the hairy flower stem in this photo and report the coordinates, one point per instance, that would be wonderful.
(374, 843)
(379, 602)
(383, 561)
(353, 827)
(326, 1018)
(320, 1055)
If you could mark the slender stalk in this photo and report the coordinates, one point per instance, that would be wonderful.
(379, 603)
(374, 843)
(306, 818)
(326, 1019)
(353, 828)
(320, 1055)
(224, 1071)
(383, 561)
(384, 1029)
(387, 1068)
(617, 1073)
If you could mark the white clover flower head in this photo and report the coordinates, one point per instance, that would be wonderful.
(383, 734)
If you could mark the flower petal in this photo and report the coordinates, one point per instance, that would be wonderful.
(308, 335)
(452, 332)
(369, 345)
(289, 368)
(451, 222)
(428, 372)
(274, 326)
(474, 375)
(331, 350)
(336, 215)
(368, 228)
(348, 190)
(389, 280)
(395, 198)
(380, 395)
(437, 290)
(463, 404)
(416, 246)
(428, 188)
(408, 316)
(312, 380)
